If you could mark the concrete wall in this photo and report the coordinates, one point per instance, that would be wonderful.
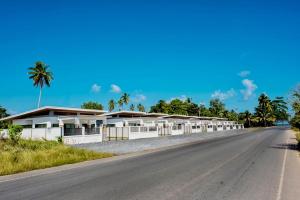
(142, 132)
(37, 133)
(81, 139)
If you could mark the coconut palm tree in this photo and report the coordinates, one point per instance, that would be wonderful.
(120, 103)
(41, 75)
(140, 108)
(132, 108)
(247, 118)
(264, 111)
(111, 105)
(125, 98)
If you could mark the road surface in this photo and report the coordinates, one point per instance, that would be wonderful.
(249, 166)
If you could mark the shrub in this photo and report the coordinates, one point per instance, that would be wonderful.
(60, 139)
(295, 122)
(14, 133)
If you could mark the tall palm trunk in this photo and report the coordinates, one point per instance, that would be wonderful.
(40, 96)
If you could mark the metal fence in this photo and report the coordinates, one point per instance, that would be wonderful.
(72, 131)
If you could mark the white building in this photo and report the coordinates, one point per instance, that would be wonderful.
(85, 125)
(73, 124)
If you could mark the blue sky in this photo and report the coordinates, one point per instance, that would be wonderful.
(153, 50)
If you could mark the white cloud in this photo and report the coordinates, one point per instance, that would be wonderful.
(96, 88)
(249, 90)
(115, 88)
(223, 95)
(244, 73)
(182, 98)
(139, 98)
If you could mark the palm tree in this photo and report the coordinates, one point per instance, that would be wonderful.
(132, 108)
(140, 108)
(111, 105)
(248, 118)
(264, 111)
(41, 76)
(125, 98)
(120, 103)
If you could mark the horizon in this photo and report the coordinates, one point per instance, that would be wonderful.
(233, 51)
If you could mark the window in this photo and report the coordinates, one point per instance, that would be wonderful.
(40, 125)
(27, 126)
(55, 125)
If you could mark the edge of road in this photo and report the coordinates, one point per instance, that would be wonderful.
(45, 171)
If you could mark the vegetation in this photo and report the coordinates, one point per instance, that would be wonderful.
(141, 108)
(111, 105)
(295, 121)
(92, 105)
(41, 76)
(14, 133)
(132, 107)
(120, 103)
(29, 155)
(3, 113)
(266, 113)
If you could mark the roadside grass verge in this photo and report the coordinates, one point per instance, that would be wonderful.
(28, 155)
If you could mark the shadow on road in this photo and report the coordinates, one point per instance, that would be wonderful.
(289, 146)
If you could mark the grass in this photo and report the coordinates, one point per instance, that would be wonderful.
(297, 134)
(29, 155)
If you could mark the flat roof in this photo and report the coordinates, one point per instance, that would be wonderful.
(45, 109)
(124, 113)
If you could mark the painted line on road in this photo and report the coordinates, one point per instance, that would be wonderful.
(279, 192)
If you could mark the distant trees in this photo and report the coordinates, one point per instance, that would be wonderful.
(3, 113)
(111, 105)
(41, 76)
(132, 107)
(264, 111)
(92, 105)
(295, 121)
(141, 108)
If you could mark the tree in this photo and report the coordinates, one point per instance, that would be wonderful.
(3, 114)
(203, 111)
(140, 108)
(132, 107)
(160, 107)
(264, 110)
(216, 108)
(295, 121)
(247, 117)
(280, 109)
(92, 105)
(111, 105)
(41, 75)
(125, 98)
(120, 103)
(176, 106)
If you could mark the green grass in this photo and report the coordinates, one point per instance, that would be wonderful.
(29, 155)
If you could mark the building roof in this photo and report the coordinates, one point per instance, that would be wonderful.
(124, 113)
(45, 111)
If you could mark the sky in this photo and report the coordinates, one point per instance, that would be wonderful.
(232, 50)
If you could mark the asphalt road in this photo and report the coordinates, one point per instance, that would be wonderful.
(241, 167)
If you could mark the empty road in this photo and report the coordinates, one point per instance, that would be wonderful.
(249, 166)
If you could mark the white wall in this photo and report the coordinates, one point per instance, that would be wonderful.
(142, 132)
(81, 139)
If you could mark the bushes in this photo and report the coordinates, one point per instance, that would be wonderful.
(295, 121)
(14, 133)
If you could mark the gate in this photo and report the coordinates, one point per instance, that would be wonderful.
(115, 133)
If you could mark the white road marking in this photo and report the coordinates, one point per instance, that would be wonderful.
(279, 192)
